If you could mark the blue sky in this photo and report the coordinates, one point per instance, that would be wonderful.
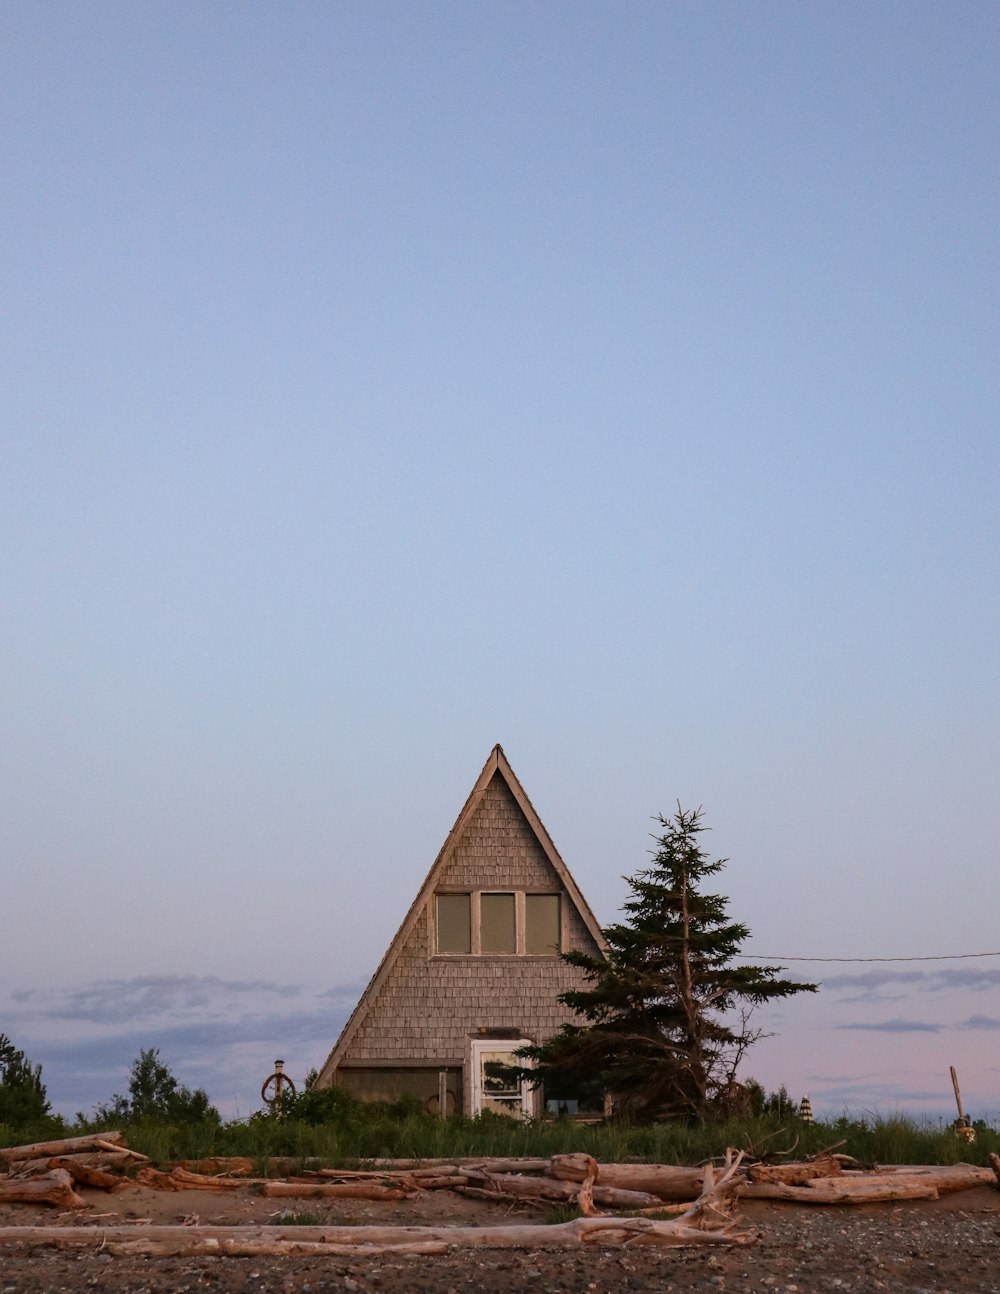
(381, 381)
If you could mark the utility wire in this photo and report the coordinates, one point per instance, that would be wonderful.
(946, 957)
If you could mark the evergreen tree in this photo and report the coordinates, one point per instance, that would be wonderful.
(154, 1093)
(667, 1011)
(22, 1093)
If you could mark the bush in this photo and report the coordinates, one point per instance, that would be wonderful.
(23, 1101)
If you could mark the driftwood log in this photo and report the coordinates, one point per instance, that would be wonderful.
(544, 1189)
(226, 1165)
(946, 1178)
(663, 1181)
(334, 1191)
(856, 1193)
(796, 1174)
(45, 1173)
(705, 1222)
(95, 1179)
(902, 1183)
(518, 1164)
(198, 1240)
(55, 1187)
(179, 1179)
(67, 1146)
(105, 1159)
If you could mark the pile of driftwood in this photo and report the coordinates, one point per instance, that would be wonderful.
(827, 1179)
(47, 1172)
(666, 1205)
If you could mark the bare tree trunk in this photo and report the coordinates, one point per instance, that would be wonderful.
(179, 1179)
(796, 1174)
(860, 1192)
(662, 1180)
(56, 1188)
(230, 1165)
(333, 1191)
(67, 1146)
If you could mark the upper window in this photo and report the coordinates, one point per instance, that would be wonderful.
(497, 923)
(492, 924)
(454, 923)
(541, 923)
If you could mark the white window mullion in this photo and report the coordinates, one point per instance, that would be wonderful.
(519, 936)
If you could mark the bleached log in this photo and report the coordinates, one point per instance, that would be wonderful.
(857, 1192)
(408, 1176)
(55, 1188)
(104, 1144)
(544, 1188)
(662, 1180)
(995, 1164)
(796, 1174)
(96, 1179)
(960, 1176)
(100, 1159)
(226, 1165)
(517, 1164)
(510, 1201)
(947, 1178)
(702, 1223)
(30, 1167)
(184, 1247)
(333, 1191)
(405, 1181)
(331, 1240)
(179, 1179)
(108, 1159)
(67, 1146)
(585, 1196)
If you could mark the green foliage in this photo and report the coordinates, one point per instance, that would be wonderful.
(560, 1213)
(23, 1100)
(665, 1016)
(155, 1095)
(373, 1131)
(316, 1105)
(355, 1134)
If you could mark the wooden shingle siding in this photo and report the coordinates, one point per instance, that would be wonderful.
(421, 1008)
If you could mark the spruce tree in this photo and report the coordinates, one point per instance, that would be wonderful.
(666, 1013)
(23, 1100)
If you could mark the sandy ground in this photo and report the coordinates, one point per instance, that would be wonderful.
(947, 1245)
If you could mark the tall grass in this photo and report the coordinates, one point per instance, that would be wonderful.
(350, 1133)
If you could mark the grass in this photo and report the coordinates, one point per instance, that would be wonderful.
(303, 1219)
(351, 1135)
(561, 1213)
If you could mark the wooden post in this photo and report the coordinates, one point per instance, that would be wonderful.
(963, 1128)
(443, 1094)
(958, 1095)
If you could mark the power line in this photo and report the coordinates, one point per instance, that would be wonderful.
(946, 957)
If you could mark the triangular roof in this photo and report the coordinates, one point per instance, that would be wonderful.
(497, 763)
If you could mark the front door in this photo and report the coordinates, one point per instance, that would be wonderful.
(493, 1086)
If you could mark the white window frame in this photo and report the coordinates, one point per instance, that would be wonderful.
(520, 922)
(484, 1046)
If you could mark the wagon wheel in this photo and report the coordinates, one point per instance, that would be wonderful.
(277, 1089)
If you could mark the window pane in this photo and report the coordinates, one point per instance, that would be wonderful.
(541, 923)
(497, 931)
(454, 923)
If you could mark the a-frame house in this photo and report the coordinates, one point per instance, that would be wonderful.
(474, 971)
